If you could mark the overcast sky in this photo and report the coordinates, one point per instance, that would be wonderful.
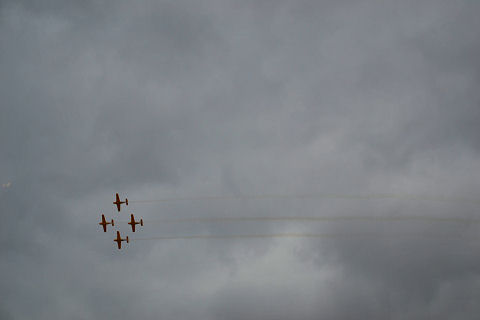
(165, 99)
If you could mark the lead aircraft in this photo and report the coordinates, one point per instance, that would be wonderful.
(117, 202)
(119, 240)
(133, 222)
(104, 223)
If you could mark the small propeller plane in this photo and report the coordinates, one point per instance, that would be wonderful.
(133, 222)
(119, 240)
(104, 223)
(117, 202)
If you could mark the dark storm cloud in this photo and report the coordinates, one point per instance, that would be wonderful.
(171, 99)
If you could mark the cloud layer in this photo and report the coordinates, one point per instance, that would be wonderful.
(168, 99)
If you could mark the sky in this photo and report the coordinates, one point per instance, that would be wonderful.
(206, 107)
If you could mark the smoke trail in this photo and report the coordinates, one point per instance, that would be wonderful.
(300, 235)
(319, 219)
(246, 236)
(320, 196)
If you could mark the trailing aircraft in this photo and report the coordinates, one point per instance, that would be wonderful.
(117, 202)
(119, 240)
(104, 223)
(133, 222)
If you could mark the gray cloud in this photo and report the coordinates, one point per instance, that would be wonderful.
(178, 99)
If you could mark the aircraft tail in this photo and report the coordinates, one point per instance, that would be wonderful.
(113, 223)
(126, 201)
(141, 222)
(128, 240)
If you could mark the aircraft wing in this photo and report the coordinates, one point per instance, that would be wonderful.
(132, 222)
(103, 223)
(118, 240)
(117, 201)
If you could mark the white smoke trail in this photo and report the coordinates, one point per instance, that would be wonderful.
(319, 219)
(245, 236)
(319, 196)
(300, 235)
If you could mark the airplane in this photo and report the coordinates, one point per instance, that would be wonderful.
(133, 222)
(119, 240)
(104, 223)
(118, 202)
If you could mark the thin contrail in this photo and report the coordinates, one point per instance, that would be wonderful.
(319, 196)
(248, 236)
(296, 235)
(319, 219)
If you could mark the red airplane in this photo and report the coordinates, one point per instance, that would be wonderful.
(119, 240)
(133, 222)
(118, 202)
(104, 223)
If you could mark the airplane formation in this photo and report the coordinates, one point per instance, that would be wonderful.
(132, 222)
